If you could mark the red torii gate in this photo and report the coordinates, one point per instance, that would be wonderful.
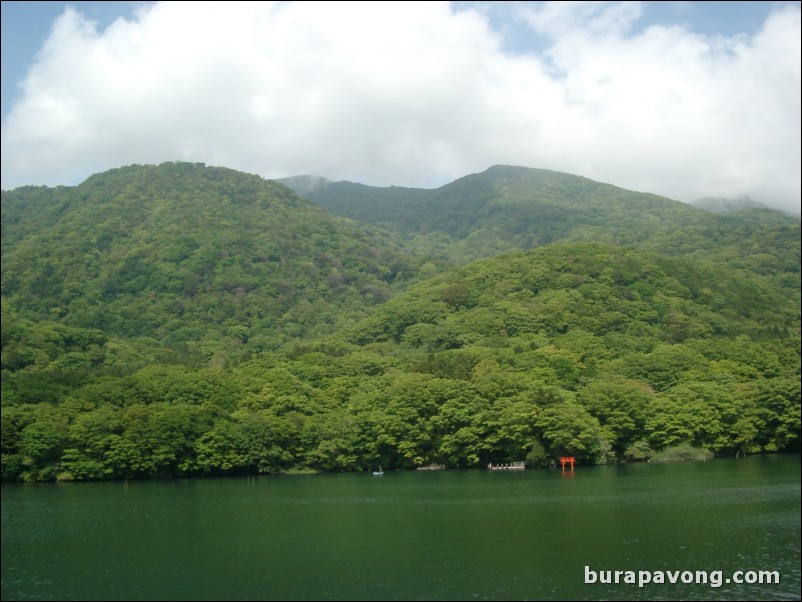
(567, 460)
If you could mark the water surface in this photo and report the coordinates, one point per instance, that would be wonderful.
(407, 535)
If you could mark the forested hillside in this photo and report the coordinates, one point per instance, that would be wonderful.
(516, 208)
(191, 255)
(185, 320)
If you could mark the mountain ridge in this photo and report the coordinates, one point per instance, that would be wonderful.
(180, 320)
(507, 208)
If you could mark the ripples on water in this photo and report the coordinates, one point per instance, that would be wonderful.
(412, 535)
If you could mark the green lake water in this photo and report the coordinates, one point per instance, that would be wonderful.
(455, 534)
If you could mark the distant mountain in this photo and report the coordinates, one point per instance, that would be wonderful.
(516, 208)
(506, 208)
(394, 208)
(525, 206)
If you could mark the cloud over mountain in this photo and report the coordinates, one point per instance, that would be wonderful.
(416, 94)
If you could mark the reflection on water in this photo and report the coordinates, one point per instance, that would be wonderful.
(410, 535)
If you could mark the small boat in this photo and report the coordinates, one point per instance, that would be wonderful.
(512, 466)
(378, 473)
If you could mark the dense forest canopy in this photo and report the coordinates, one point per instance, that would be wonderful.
(515, 208)
(187, 253)
(186, 320)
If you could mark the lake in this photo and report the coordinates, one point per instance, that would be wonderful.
(454, 534)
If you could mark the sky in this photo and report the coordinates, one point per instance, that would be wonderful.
(682, 99)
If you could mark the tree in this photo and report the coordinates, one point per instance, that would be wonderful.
(569, 430)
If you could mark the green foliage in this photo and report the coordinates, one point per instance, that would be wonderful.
(569, 430)
(184, 320)
(223, 263)
(639, 451)
(682, 453)
(514, 208)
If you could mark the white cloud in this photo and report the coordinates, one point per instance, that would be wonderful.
(414, 94)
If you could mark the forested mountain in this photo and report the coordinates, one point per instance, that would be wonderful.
(516, 208)
(182, 319)
(538, 205)
(190, 254)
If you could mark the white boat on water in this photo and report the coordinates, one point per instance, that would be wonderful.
(511, 466)
(378, 473)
